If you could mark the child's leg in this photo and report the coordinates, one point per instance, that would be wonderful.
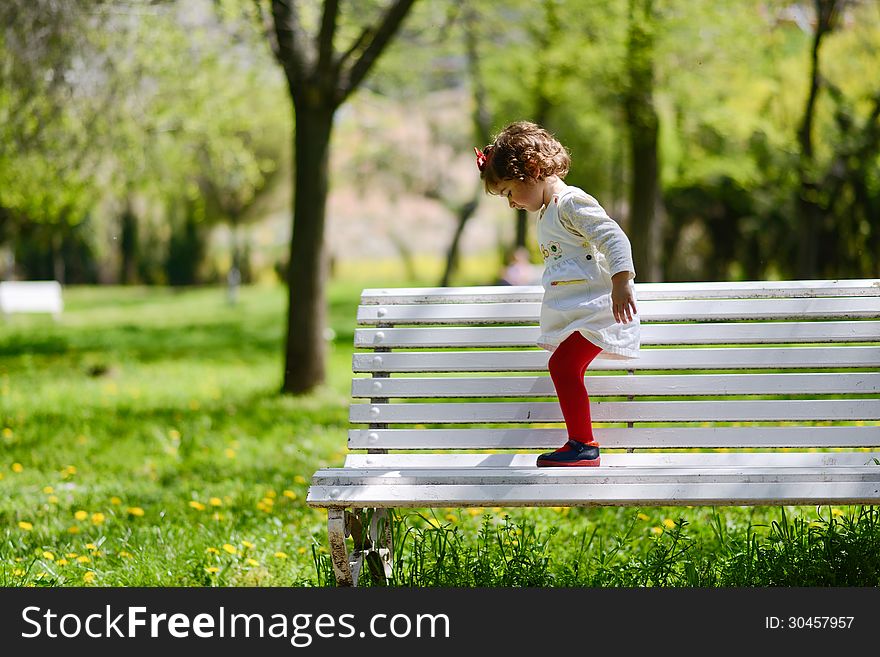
(567, 367)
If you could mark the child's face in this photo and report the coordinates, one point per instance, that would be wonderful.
(522, 194)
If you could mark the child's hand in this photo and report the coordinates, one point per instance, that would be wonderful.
(623, 302)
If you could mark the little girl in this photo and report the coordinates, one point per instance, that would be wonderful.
(589, 303)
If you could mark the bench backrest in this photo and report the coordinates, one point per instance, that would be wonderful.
(791, 365)
(30, 297)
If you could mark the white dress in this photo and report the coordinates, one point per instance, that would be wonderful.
(583, 248)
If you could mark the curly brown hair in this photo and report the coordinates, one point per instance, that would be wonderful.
(523, 151)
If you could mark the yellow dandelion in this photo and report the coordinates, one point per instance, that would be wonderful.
(125, 555)
(17, 467)
(218, 516)
(48, 490)
(25, 525)
(69, 470)
(71, 555)
(280, 555)
(271, 493)
(212, 570)
(643, 516)
(475, 511)
(656, 530)
(83, 559)
(18, 572)
(62, 562)
(73, 529)
(268, 501)
(668, 523)
(81, 515)
(198, 506)
(48, 555)
(135, 511)
(89, 577)
(115, 501)
(97, 518)
(7, 433)
(836, 513)
(212, 550)
(231, 549)
(52, 499)
(230, 453)
(253, 562)
(496, 509)
(299, 479)
(451, 517)
(91, 546)
(215, 501)
(248, 544)
(301, 550)
(290, 494)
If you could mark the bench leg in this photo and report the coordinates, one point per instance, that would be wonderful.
(373, 546)
(336, 533)
(382, 556)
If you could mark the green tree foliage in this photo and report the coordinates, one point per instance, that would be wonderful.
(143, 117)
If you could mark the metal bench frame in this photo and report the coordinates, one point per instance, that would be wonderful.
(738, 399)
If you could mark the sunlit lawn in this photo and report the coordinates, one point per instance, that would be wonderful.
(144, 443)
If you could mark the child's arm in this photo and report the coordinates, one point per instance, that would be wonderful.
(623, 302)
(584, 217)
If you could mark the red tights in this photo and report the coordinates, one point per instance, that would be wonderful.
(567, 367)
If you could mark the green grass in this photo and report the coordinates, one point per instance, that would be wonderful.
(143, 442)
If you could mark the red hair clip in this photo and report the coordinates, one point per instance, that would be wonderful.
(482, 157)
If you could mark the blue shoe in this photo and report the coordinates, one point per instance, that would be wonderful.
(572, 454)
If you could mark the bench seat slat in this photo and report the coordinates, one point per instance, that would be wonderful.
(654, 359)
(426, 337)
(617, 459)
(672, 494)
(613, 437)
(698, 310)
(606, 476)
(644, 291)
(622, 385)
(629, 411)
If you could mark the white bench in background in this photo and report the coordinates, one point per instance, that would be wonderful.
(31, 297)
(735, 401)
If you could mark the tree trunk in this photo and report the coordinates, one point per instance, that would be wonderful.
(645, 207)
(464, 213)
(128, 247)
(482, 122)
(306, 273)
(810, 209)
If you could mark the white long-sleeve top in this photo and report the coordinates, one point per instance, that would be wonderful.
(583, 248)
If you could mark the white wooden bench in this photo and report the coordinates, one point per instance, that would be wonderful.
(31, 297)
(755, 393)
